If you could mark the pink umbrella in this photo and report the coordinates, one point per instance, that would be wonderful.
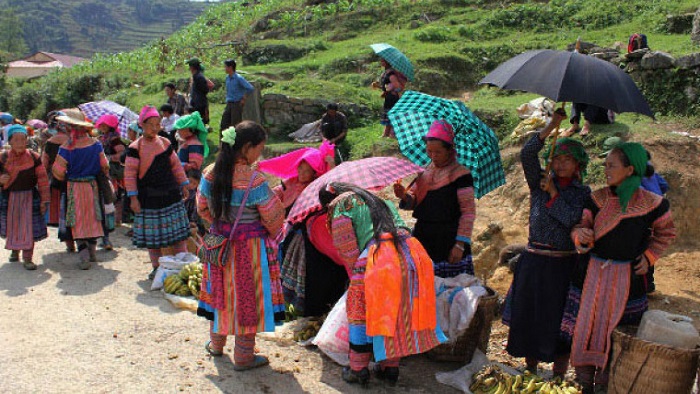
(36, 124)
(374, 173)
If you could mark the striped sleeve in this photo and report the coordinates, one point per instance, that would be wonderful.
(42, 181)
(271, 211)
(131, 171)
(203, 195)
(467, 208)
(663, 231)
(177, 169)
(195, 157)
(60, 165)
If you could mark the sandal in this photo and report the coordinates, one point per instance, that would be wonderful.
(14, 256)
(29, 266)
(152, 275)
(258, 361)
(212, 352)
(361, 376)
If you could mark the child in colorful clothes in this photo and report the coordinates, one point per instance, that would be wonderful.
(25, 192)
(155, 183)
(298, 169)
(535, 302)
(79, 162)
(244, 296)
(627, 229)
(196, 223)
(391, 298)
(193, 136)
(442, 201)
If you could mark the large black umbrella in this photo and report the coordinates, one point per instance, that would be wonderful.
(570, 77)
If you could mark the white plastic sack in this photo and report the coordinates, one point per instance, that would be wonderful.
(161, 274)
(178, 261)
(333, 337)
(461, 379)
(187, 303)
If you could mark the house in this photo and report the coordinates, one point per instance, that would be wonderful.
(40, 63)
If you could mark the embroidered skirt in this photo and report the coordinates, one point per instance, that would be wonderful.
(244, 296)
(637, 302)
(18, 232)
(83, 210)
(405, 342)
(160, 228)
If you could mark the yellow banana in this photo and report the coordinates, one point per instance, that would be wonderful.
(530, 388)
(501, 388)
(518, 382)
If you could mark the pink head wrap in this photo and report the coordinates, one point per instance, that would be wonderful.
(146, 113)
(109, 120)
(285, 166)
(442, 131)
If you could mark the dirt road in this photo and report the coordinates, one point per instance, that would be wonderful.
(103, 331)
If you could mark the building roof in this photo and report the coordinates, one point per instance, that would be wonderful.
(47, 59)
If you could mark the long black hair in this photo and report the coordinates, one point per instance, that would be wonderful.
(381, 215)
(248, 133)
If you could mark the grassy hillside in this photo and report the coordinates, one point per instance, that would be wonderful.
(86, 27)
(322, 51)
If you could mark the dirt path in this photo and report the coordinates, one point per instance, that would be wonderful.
(102, 331)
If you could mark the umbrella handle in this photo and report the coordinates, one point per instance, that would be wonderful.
(555, 136)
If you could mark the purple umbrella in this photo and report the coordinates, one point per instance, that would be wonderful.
(93, 110)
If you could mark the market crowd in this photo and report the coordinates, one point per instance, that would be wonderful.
(585, 270)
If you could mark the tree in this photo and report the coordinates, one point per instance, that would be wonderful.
(11, 34)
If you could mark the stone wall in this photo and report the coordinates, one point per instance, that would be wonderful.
(283, 114)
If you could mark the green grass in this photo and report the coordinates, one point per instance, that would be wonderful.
(452, 44)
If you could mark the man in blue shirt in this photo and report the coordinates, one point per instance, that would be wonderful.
(236, 90)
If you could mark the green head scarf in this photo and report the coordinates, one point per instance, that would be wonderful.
(229, 136)
(570, 146)
(194, 122)
(637, 156)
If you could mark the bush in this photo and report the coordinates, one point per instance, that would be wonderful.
(434, 34)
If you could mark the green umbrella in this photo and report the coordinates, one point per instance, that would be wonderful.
(395, 58)
(475, 143)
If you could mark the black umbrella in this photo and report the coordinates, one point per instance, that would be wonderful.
(570, 77)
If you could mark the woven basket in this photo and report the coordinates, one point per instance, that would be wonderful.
(475, 336)
(639, 366)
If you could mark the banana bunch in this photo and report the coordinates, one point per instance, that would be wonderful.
(307, 332)
(173, 284)
(493, 380)
(191, 276)
(189, 270)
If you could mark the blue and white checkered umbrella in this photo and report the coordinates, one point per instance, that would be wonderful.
(395, 58)
(93, 110)
(475, 143)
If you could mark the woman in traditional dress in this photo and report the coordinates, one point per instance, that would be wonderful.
(312, 280)
(535, 302)
(113, 147)
(79, 162)
(298, 169)
(442, 200)
(391, 298)
(59, 136)
(244, 296)
(25, 194)
(194, 148)
(155, 184)
(627, 229)
(392, 84)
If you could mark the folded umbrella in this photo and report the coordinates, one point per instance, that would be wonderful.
(475, 143)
